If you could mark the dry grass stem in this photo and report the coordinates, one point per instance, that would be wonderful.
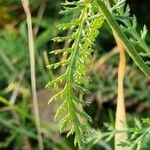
(25, 4)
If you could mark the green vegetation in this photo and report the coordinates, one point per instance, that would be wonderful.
(92, 71)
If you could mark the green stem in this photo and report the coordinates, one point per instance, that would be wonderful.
(125, 42)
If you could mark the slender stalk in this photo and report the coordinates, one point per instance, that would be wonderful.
(123, 39)
(25, 4)
(120, 123)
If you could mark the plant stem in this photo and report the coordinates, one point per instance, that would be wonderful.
(123, 39)
(120, 123)
(25, 4)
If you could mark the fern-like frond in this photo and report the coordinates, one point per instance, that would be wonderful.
(84, 33)
(138, 134)
(132, 41)
(138, 39)
(130, 28)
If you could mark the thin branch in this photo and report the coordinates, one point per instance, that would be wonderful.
(25, 4)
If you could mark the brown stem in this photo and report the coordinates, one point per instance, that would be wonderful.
(120, 123)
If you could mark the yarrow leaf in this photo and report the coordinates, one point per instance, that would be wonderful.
(84, 32)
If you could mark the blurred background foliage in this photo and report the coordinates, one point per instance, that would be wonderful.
(17, 127)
